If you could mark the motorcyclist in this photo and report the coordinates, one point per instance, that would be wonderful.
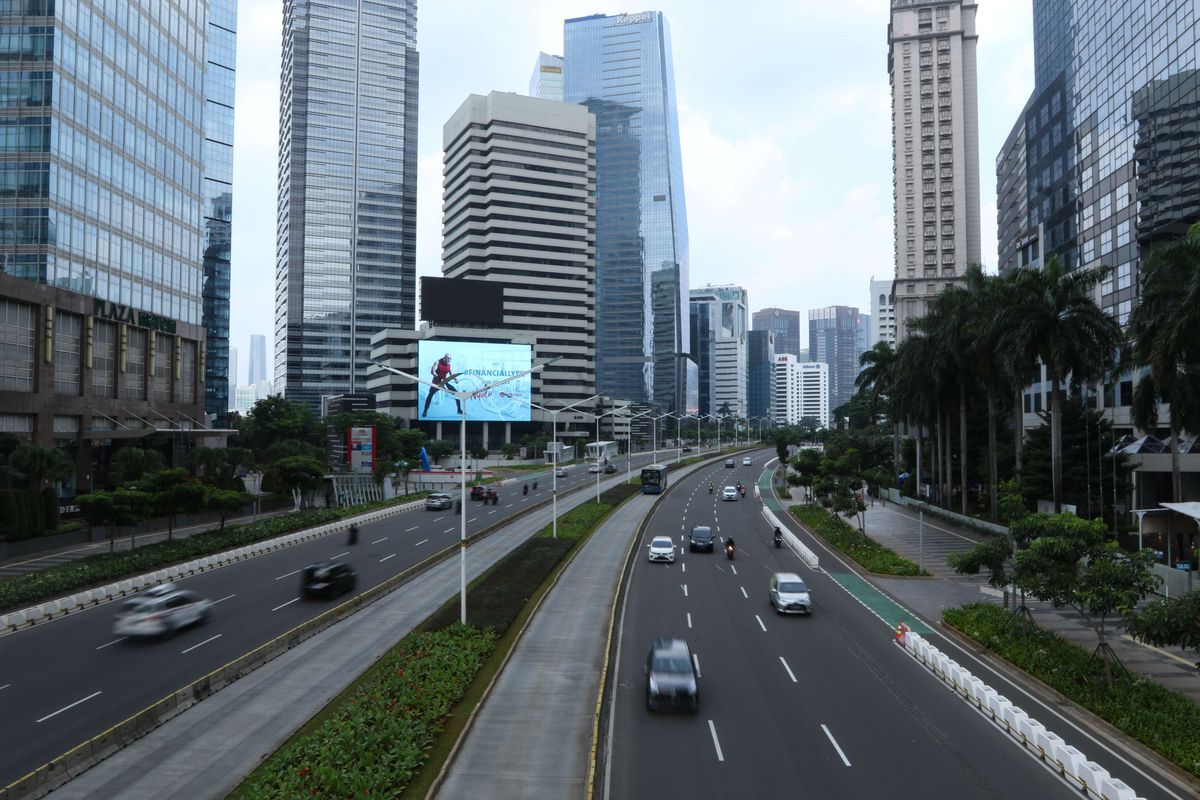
(353, 534)
(778, 537)
(729, 547)
(525, 488)
(710, 487)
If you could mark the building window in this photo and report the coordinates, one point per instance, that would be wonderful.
(162, 367)
(19, 426)
(16, 346)
(104, 361)
(135, 364)
(68, 335)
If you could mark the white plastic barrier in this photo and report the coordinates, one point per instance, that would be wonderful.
(1116, 789)
(15, 619)
(791, 540)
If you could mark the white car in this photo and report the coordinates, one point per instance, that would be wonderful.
(662, 549)
(746, 462)
(561, 472)
(729, 493)
(160, 611)
(593, 467)
(789, 594)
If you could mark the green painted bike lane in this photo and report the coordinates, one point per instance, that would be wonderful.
(864, 592)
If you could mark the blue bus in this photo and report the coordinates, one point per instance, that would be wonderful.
(654, 479)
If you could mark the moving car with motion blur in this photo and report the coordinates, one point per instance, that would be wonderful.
(671, 676)
(593, 468)
(439, 501)
(729, 463)
(609, 469)
(747, 461)
(561, 472)
(160, 611)
(789, 594)
(662, 549)
(327, 579)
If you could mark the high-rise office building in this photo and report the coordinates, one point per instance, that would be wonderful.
(883, 314)
(346, 240)
(519, 210)
(547, 79)
(1103, 163)
(233, 382)
(220, 53)
(935, 149)
(862, 339)
(258, 359)
(760, 365)
(784, 324)
(719, 348)
(833, 339)
(103, 303)
(801, 391)
(620, 68)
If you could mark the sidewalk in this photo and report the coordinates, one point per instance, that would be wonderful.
(896, 527)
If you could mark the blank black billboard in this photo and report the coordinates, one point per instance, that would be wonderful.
(459, 300)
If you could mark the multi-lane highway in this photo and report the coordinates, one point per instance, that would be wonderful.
(795, 706)
(70, 679)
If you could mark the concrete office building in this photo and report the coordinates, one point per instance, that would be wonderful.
(347, 219)
(883, 314)
(719, 342)
(1102, 165)
(760, 366)
(620, 68)
(801, 391)
(935, 149)
(103, 294)
(519, 209)
(547, 79)
(834, 336)
(784, 324)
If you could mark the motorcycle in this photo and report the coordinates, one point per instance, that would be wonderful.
(710, 488)
(525, 489)
(729, 552)
(778, 538)
(743, 491)
(353, 534)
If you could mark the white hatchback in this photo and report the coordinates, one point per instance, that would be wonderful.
(662, 549)
(729, 493)
(160, 613)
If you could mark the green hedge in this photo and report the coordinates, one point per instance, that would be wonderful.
(865, 551)
(1164, 721)
(97, 570)
(373, 744)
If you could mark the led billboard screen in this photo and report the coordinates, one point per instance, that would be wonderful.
(467, 367)
(461, 300)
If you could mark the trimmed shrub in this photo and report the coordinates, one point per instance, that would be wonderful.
(865, 551)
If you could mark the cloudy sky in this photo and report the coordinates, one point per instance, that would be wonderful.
(784, 125)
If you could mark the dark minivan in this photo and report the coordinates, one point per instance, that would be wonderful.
(327, 579)
(671, 676)
(701, 539)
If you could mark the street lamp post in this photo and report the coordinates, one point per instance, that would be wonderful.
(554, 482)
(629, 444)
(655, 432)
(598, 416)
(462, 398)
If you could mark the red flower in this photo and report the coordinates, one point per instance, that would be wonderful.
(304, 772)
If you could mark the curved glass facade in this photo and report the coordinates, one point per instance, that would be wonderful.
(100, 110)
(620, 68)
(346, 243)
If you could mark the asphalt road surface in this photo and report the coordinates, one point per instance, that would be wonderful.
(68, 680)
(820, 706)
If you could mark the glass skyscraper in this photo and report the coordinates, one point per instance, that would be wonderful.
(346, 242)
(218, 199)
(620, 68)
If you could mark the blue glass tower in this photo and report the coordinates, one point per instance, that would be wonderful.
(620, 68)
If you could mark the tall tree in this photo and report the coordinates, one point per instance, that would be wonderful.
(1055, 316)
(877, 377)
(39, 465)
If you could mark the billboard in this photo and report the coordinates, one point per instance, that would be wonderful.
(466, 367)
(360, 443)
(462, 300)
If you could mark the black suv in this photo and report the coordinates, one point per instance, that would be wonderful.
(671, 676)
(327, 579)
(701, 539)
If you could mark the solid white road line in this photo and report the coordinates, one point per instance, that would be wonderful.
(413, 528)
(288, 603)
(110, 644)
(206, 641)
(760, 623)
(339, 555)
(689, 616)
(789, 670)
(732, 567)
(64, 708)
(716, 743)
(696, 664)
(743, 588)
(223, 599)
(833, 741)
(418, 544)
(377, 541)
(288, 574)
(385, 558)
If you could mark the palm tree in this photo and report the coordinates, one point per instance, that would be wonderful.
(1055, 315)
(916, 393)
(1171, 362)
(878, 377)
(1183, 258)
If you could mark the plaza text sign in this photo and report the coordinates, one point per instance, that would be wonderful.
(132, 316)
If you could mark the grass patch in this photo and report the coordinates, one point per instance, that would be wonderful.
(34, 587)
(498, 603)
(864, 550)
(1164, 721)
